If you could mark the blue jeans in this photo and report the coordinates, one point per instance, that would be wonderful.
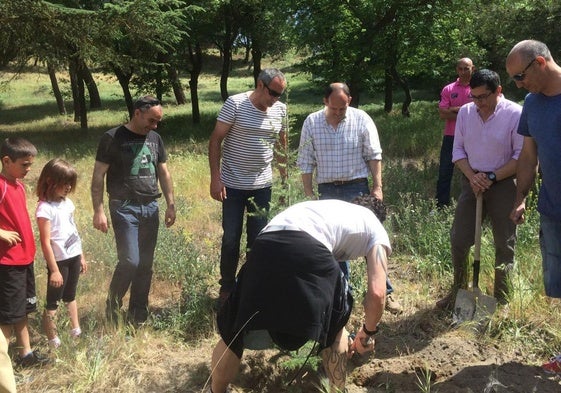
(550, 244)
(136, 232)
(347, 192)
(256, 203)
(445, 171)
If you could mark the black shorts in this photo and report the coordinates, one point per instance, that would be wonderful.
(17, 293)
(290, 286)
(70, 270)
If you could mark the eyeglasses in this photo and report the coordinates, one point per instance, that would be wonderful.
(480, 97)
(520, 77)
(272, 92)
(145, 103)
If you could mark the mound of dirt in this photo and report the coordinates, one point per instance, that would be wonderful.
(415, 353)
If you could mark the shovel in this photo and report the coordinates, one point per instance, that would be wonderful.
(474, 305)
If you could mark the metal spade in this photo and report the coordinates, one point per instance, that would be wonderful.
(473, 305)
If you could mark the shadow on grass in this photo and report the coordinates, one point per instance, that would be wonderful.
(36, 112)
(68, 139)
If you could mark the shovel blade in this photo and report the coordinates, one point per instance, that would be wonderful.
(473, 306)
(486, 306)
(464, 307)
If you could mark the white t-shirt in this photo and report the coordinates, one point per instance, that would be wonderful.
(65, 241)
(349, 231)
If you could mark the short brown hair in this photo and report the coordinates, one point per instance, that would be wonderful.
(16, 147)
(55, 173)
(373, 204)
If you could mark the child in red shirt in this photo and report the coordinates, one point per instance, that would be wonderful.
(17, 249)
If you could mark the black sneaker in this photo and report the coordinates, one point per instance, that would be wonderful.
(33, 359)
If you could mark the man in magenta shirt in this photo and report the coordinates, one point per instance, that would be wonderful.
(452, 97)
(486, 148)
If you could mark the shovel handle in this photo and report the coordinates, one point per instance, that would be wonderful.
(477, 240)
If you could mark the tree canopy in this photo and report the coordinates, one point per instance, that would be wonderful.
(370, 44)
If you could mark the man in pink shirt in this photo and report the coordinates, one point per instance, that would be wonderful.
(486, 148)
(452, 97)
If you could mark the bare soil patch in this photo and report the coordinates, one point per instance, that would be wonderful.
(412, 349)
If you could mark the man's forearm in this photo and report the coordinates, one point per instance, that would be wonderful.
(308, 185)
(525, 178)
(375, 167)
(167, 187)
(450, 113)
(97, 195)
(214, 153)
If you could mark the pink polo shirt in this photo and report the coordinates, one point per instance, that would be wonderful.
(453, 94)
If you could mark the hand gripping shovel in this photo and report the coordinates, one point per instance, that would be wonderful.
(474, 305)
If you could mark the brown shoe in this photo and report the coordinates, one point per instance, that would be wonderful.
(447, 302)
(393, 305)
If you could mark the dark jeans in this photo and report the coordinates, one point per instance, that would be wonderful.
(136, 232)
(445, 172)
(550, 233)
(347, 192)
(256, 203)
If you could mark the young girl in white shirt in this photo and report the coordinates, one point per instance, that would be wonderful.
(60, 243)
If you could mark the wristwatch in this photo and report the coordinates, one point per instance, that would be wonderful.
(491, 176)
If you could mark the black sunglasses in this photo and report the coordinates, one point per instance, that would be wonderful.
(480, 97)
(520, 77)
(145, 103)
(272, 92)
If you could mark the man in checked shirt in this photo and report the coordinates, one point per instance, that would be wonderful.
(341, 144)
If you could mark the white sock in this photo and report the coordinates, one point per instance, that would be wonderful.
(76, 332)
(55, 342)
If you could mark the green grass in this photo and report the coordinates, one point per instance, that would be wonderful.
(186, 270)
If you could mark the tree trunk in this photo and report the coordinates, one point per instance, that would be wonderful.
(225, 72)
(248, 49)
(178, 92)
(228, 42)
(82, 98)
(354, 88)
(73, 72)
(405, 86)
(56, 89)
(196, 57)
(257, 55)
(124, 80)
(93, 92)
(160, 78)
(388, 91)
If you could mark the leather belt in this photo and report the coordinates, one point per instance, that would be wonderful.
(139, 200)
(343, 182)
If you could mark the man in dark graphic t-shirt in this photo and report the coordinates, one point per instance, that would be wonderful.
(132, 158)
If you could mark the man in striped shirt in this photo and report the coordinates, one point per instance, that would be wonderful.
(249, 131)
